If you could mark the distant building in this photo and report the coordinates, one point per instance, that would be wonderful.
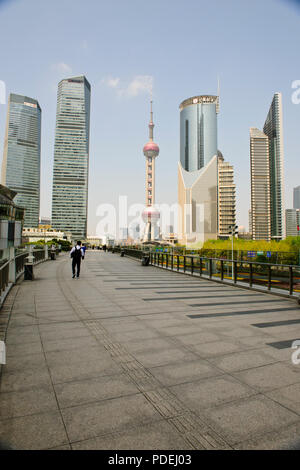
(226, 197)
(296, 198)
(292, 220)
(273, 129)
(260, 185)
(71, 157)
(11, 221)
(35, 234)
(198, 170)
(198, 203)
(198, 131)
(94, 241)
(250, 221)
(22, 155)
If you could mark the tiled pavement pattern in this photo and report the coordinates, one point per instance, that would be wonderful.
(132, 357)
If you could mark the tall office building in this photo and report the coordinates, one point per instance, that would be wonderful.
(22, 155)
(71, 157)
(296, 198)
(206, 190)
(273, 130)
(226, 197)
(198, 131)
(292, 220)
(260, 185)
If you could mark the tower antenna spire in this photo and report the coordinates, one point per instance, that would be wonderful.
(218, 95)
(151, 123)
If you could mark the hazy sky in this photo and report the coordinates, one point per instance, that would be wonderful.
(183, 47)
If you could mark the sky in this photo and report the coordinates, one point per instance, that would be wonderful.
(179, 48)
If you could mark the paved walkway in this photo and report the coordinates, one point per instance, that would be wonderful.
(132, 357)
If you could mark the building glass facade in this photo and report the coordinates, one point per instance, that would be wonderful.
(292, 220)
(198, 131)
(273, 129)
(296, 198)
(71, 157)
(260, 185)
(22, 155)
(226, 197)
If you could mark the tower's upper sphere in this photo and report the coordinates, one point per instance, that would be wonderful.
(151, 149)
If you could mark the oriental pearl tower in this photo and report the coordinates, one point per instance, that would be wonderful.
(150, 214)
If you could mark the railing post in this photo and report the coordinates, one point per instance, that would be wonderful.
(222, 270)
(269, 277)
(234, 271)
(200, 267)
(192, 265)
(210, 268)
(46, 251)
(184, 263)
(250, 275)
(167, 260)
(291, 280)
(172, 261)
(12, 265)
(177, 262)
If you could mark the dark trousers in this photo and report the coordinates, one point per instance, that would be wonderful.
(76, 262)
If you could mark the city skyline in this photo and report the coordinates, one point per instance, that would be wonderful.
(121, 84)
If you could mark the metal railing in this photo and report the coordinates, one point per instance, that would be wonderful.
(273, 277)
(4, 277)
(12, 268)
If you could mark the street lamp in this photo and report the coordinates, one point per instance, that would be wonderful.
(233, 230)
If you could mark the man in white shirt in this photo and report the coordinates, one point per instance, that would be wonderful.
(77, 253)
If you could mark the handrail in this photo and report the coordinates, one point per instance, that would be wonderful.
(282, 279)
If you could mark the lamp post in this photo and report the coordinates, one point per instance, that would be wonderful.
(233, 230)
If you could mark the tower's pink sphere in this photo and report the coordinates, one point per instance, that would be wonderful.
(151, 149)
(150, 212)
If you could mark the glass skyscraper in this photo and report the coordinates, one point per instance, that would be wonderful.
(296, 198)
(71, 157)
(22, 152)
(198, 131)
(273, 130)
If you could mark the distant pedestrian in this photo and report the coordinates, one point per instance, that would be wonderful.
(84, 248)
(77, 253)
(104, 248)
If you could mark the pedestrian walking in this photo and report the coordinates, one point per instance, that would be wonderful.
(77, 254)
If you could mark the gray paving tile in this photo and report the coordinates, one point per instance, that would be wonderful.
(70, 343)
(119, 414)
(93, 390)
(41, 431)
(189, 371)
(288, 396)
(216, 348)
(287, 438)
(28, 402)
(210, 392)
(270, 376)
(243, 360)
(83, 370)
(160, 435)
(249, 418)
(164, 356)
(24, 379)
(23, 349)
